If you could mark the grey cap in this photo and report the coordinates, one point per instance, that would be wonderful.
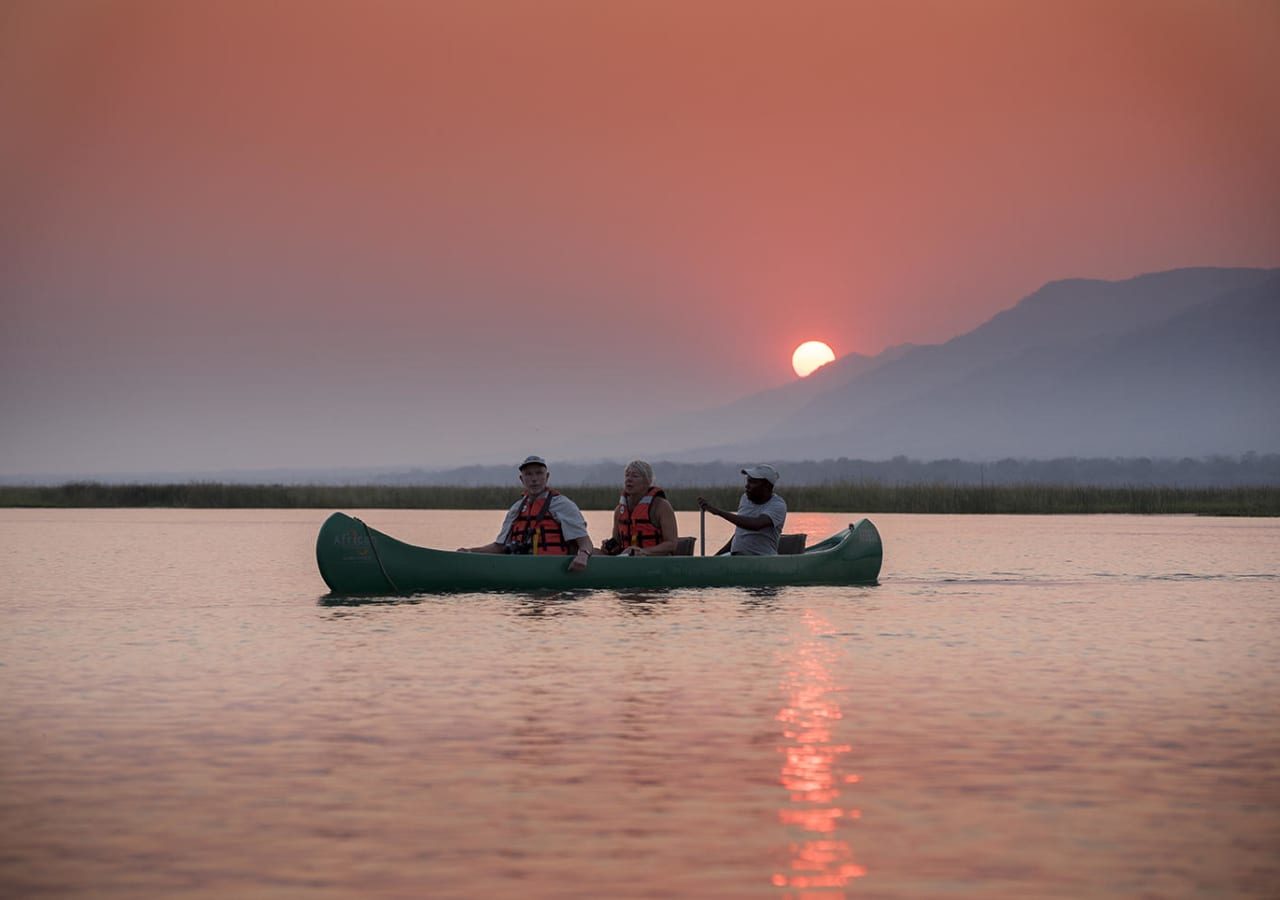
(764, 471)
(532, 461)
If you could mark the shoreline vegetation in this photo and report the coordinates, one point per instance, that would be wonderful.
(864, 498)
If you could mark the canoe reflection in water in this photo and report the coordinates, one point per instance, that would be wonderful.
(821, 860)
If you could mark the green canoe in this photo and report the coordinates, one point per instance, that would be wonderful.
(356, 559)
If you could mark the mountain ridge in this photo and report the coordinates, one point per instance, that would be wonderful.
(943, 400)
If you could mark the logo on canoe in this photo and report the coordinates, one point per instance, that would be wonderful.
(352, 540)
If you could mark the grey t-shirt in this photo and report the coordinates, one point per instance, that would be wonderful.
(765, 541)
(563, 510)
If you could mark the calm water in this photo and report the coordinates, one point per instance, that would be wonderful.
(1025, 707)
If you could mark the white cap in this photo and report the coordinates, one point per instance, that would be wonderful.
(532, 461)
(764, 471)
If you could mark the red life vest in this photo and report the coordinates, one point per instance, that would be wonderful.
(636, 527)
(535, 527)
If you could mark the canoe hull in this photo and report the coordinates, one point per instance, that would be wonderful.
(355, 559)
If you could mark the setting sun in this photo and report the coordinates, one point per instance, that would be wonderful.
(809, 356)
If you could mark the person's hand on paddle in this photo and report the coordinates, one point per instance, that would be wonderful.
(707, 507)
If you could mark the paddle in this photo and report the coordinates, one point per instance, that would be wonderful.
(703, 542)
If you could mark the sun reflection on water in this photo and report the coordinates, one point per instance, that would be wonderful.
(821, 861)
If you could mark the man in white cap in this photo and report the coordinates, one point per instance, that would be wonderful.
(760, 516)
(543, 522)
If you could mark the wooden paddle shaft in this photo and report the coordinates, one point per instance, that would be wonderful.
(703, 542)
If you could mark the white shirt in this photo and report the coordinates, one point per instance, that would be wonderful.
(765, 541)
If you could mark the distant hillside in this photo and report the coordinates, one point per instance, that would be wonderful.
(740, 420)
(1220, 471)
(1173, 367)
(1249, 470)
(1181, 363)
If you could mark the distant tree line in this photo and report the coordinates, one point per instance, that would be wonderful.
(1251, 469)
(854, 499)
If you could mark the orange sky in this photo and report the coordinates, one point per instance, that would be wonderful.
(230, 225)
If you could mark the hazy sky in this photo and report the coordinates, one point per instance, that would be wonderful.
(239, 234)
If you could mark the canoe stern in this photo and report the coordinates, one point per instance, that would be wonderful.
(348, 558)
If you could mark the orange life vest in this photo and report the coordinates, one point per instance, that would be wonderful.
(636, 527)
(534, 528)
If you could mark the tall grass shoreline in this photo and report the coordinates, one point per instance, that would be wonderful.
(1016, 499)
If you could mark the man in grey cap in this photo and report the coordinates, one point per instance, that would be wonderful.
(542, 522)
(760, 516)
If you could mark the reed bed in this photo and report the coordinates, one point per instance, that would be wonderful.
(1017, 499)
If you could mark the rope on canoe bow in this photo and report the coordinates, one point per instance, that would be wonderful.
(374, 548)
